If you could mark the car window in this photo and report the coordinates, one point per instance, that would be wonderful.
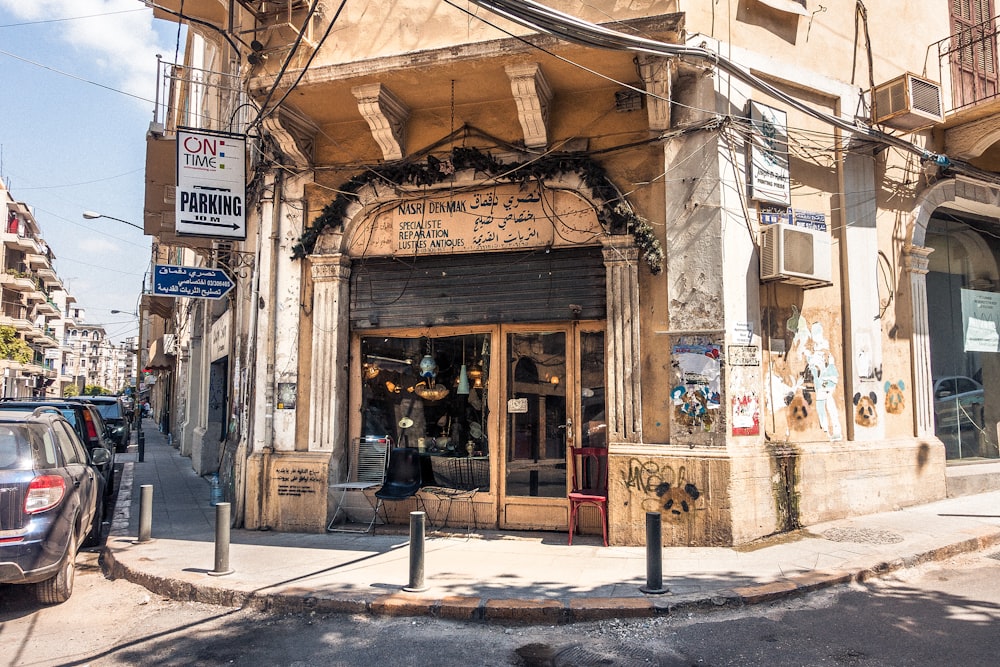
(966, 385)
(945, 388)
(9, 449)
(69, 444)
(71, 453)
(108, 410)
(48, 448)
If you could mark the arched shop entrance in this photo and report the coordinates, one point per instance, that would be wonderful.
(963, 309)
(483, 323)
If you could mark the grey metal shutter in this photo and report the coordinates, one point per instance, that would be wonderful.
(489, 288)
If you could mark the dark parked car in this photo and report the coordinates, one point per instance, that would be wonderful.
(114, 414)
(51, 501)
(86, 421)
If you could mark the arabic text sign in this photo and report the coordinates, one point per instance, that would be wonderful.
(211, 185)
(768, 163)
(502, 217)
(190, 281)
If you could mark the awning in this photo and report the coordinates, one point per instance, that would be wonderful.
(158, 359)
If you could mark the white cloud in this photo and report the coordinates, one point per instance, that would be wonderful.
(116, 37)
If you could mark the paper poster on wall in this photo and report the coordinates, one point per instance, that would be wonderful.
(980, 318)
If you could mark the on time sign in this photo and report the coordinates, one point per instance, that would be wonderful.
(211, 184)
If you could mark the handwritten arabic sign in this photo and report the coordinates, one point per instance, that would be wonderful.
(190, 281)
(503, 217)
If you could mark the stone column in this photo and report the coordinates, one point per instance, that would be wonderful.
(622, 395)
(916, 260)
(330, 341)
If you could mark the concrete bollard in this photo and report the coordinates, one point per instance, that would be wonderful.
(654, 555)
(418, 521)
(222, 513)
(145, 512)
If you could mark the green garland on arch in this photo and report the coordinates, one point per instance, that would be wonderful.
(614, 214)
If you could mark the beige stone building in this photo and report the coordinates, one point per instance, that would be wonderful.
(745, 248)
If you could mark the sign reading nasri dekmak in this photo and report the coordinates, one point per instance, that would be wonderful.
(211, 184)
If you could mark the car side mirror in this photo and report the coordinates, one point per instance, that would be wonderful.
(100, 456)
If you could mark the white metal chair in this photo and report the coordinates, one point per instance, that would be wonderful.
(365, 470)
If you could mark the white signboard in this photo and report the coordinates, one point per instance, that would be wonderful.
(981, 320)
(211, 185)
(768, 159)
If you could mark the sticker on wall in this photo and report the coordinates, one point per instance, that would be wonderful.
(895, 398)
(696, 401)
(745, 402)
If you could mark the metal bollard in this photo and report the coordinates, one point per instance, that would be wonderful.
(141, 440)
(417, 522)
(654, 555)
(222, 513)
(145, 512)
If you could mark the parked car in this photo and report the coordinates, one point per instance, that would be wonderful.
(51, 501)
(115, 415)
(955, 396)
(86, 421)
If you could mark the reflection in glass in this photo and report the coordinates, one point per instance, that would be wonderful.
(410, 393)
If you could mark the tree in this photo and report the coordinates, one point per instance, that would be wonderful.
(71, 390)
(12, 347)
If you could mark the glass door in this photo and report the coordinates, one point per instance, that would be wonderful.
(536, 414)
(554, 397)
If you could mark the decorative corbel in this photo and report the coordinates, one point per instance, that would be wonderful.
(295, 135)
(656, 75)
(386, 116)
(532, 94)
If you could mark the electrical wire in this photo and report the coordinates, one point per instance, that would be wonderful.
(543, 19)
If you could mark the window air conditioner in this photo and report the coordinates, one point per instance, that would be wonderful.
(907, 103)
(797, 255)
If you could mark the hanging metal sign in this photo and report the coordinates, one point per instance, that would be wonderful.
(190, 281)
(211, 185)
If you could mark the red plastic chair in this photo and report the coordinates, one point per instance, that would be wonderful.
(590, 485)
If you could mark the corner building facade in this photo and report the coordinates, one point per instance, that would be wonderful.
(489, 243)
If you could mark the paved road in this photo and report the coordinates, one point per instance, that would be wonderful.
(940, 614)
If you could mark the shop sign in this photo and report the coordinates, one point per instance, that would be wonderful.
(502, 217)
(190, 281)
(768, 160)
(219, 344)
(211, 185)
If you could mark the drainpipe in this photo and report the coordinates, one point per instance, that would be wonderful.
(269, 342)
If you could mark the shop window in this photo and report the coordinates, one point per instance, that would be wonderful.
(430, 394)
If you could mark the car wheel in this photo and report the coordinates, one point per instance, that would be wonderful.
(58, 589)
(94, 534)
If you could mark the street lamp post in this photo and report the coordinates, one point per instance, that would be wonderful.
(92, 215)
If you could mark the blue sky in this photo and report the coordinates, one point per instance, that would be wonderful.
(78, 79)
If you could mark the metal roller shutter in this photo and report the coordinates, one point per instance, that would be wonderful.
(491, 288)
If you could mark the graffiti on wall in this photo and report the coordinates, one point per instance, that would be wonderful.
(809, 394)
(895, 397)
(696, 398)
(662, 488)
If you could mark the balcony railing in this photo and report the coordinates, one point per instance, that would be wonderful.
(969, 58)
(199, 99)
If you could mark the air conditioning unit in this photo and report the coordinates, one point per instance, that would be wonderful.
(907, 103)
(797, 255)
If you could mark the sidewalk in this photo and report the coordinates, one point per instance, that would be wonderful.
(498, 577)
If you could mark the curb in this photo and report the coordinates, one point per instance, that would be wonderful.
(510, 611)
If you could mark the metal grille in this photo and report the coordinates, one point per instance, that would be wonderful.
(478, 288)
